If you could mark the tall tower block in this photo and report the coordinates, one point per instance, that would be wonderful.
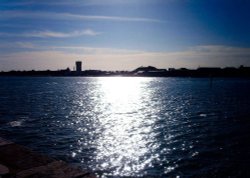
(78, 66)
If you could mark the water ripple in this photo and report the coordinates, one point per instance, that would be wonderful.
(155, 127)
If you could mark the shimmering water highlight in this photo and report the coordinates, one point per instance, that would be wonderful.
(132, 127)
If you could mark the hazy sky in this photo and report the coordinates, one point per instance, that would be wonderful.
(123, 34)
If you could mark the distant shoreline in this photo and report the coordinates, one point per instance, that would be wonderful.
(139, 72)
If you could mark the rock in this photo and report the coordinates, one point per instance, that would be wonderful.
(17, 157)
(3, 170)
(4, 142)
(20, 162)
(56, 169)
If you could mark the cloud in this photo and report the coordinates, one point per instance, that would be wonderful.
(25, 45)
(191, 52)
(122, 59)
(79, 2)
(94, 50)
(52, 34)
(69, 16)
(17, 45)
(44, 34)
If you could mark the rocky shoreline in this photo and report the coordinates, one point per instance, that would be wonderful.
(17, 161)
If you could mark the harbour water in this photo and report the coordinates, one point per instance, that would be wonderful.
(133, 127)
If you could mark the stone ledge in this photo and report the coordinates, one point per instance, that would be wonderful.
(21, 162)
(4, 142)
(55, 169)
(17, 157)
(3, 170)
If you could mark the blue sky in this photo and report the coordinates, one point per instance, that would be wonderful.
(123, 34)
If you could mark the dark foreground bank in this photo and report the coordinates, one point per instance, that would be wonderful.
(20, 162)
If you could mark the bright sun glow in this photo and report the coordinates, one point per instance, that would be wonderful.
(121, 90)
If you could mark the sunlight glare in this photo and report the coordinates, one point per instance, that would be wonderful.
(126, 133)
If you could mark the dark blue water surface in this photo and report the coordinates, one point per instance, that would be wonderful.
(133, 127)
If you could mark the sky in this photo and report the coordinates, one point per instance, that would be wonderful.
(123, 34)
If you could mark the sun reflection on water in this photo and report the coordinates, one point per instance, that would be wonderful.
(130, 127)
(126, 135)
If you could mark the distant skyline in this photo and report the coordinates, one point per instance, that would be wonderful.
(123, 34)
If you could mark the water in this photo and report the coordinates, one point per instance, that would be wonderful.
(133, 127)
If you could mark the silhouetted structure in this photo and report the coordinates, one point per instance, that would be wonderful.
(78, 67)
(149, 71)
